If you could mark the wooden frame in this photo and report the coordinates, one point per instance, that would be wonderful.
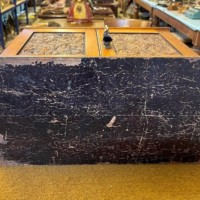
(91, 45)
(164, 32)
(94, 42)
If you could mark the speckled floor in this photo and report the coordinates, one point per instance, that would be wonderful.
(101, 182)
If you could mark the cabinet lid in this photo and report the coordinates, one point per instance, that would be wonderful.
(142, 42)
(54, 43)
(88, 42)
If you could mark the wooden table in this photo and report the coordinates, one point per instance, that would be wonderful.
(188, 27)
(192, 32)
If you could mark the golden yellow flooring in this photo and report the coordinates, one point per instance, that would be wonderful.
(102, 182)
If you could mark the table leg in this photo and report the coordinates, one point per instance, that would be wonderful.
(196, 42)
(155, 21)
(1, 33)
(26, 10)
(115, 10)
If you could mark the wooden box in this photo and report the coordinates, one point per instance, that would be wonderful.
(95, 105)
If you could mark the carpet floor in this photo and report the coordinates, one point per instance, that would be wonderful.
(101, 182)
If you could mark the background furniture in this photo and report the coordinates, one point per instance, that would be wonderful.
(185, 25)
(63, 23)
(112, 5)
(147, 5)
(127, 23)
(99, 12)
(14, 9)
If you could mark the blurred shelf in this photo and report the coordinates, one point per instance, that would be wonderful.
(13, 7)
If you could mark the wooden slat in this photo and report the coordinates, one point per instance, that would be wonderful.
(91, 43)
(15, 46)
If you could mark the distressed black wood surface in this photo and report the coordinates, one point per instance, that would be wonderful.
(56, 114)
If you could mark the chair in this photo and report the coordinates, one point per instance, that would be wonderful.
(127, 23)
